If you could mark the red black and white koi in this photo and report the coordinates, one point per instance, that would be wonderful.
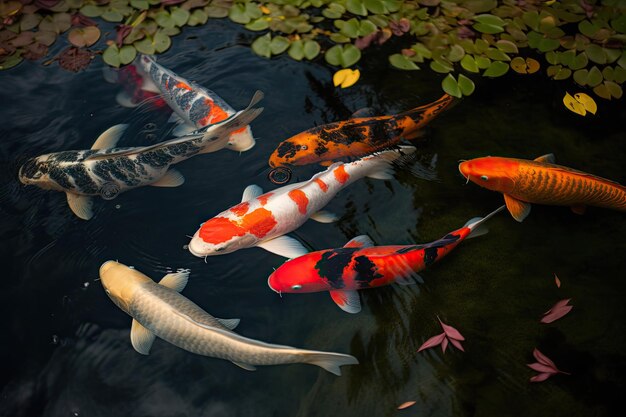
(106, 170)
(263, 219)
(359, 265)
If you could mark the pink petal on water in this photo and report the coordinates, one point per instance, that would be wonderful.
(444, 345)
(432, 342)
(450, 331)
(555, 314)
(540, 377)
(406, 405)
(557, 281)
(543, 359)
(457, 345)
(540, 367)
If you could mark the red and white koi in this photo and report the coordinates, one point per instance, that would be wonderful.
(263, 219)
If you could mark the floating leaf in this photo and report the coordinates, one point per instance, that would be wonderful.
(450, 331)
(344, 56)
(74, 59)
(86, 36)
(467, 88)
(595, 76)
(469, 64)
(561, 308)
(406, 405)
(58, 23)
(346, 77)
(278, 45)
(111, 56)
(441, 67)
(557, 281)
(10, 62)
(545, 366)
(614, 89)
(451, 86)
(524, 66)
(356, 7)
(402, 62)
(296, 50)
(311, 49)
(261, 45)
(496, 69)
(591, 107)
(161, 41)
(507, 46)
(432, 342)
(574, 105)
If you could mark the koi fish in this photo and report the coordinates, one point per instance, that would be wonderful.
(106, 171)
(136, 89)
(523, 182)
(194, 106)
(159, 310)
(359, 265)
(355, 137)
(263, 219)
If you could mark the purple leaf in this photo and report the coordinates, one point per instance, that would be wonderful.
(432, 342)
(557, 311)
(122, 32)
(543, 359)
(539, 367)
(365, 41)
(457, 345)
(450, 331)
(444, 345)
(540, 377)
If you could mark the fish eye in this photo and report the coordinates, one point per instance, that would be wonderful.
(304, 147)
(220, 249)
(107, 291)
(296, 287)
(484, 177)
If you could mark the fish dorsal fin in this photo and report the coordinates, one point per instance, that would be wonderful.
(518, 209)
(284, 246)
(362, 241)
(245, 366)
(251, 192)
(175, 118)
(81, 205)
(547, 158)
(175, 281)
(324, 216)
(141, 338)
(347, 300)
(109, 138)
(230, 324)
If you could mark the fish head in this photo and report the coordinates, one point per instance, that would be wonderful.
(219, 236)
(120, 282)
(36, 171)
(299, 275)
(493, 173)
(300, 149)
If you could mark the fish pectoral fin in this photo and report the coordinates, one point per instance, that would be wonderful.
(141, 338)
(411, 279)
(347, 300)
(324, 216)
(580, 209)
(175, 281)
(109, 138)
(245, 366)
(183, 129)
(362, 241)
(81, 205)
(175, 118)
(230, 324)
(284, 246)
(548, 158)
(518, 209)
(124, 100)
(172, 178)
(251, 192)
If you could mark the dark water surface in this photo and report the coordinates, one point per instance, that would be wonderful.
(65, 346)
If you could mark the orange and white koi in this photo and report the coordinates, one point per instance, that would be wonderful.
(194, 106)
(263, 219)
(355, 137)
(360, 265)
(541, 181)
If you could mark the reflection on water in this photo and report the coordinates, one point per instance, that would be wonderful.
(66, 348)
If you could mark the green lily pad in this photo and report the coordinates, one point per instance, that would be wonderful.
(356, 7)
(11, 61)
(456, 53)
(45, 37)
(375, 6)
(547, 44)
(402, 62)
(596, 53)
(344, 56)
(162, 42)
(607, 73)
(619, 75)
(145, 46)
(581, 76)
(441, 67)
(91, 10)
(451, 86)
(339, 38)
(482, 62)
(29, 21)
(496, 69)
(296, 50)
(111, 56)
(469, 63)
(180, 16)
(127, 54)
(619, 24)
(311, 49)
(112, 15)
(507, 46)
(279, 44)
(489, 19)
(198, 17)
(140, 4)
(579, 62)
(497, 55)
(58, 23)
(467, 85)
(489, 29)
(261, 45)
(595, 76)
(587, 28)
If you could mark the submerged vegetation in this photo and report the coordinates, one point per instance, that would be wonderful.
(583, 40)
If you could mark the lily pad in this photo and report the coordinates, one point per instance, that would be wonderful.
(469, 64)
(58, 23)
(11, 61)
(467, 85)
(278, 45)
(197, 17)
(261, 45)
(311, 49)
(82, 37)
(345, 56)
(451, 86)
(356, 7)
(296, 50)
(496, 69)
(402, 62)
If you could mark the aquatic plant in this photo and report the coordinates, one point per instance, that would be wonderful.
(560, 309)
(583, 40)
(450, 335)
(545, 366)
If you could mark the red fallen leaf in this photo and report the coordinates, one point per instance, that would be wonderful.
(539, 367)
(122, 32)
(540, 377)
(545, 367)
(408, 52)
(557, 281)
(432, 342)
(35, 51)
(450, 331)
(75, 59)
(457, 345)
(365, 41)
(406, 405)
(541, 358)
(444, 345)
(557, 311)
(82, 20)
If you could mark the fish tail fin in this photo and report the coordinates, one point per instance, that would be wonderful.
(216, 136)
(330, 361)
(380, 165)
(477, 224)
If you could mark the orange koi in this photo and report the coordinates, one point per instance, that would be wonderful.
(541, 181)
(355, 137)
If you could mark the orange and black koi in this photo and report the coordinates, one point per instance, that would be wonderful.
(360, 265)
(355, 137)
(541, 181)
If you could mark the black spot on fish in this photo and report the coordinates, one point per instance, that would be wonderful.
(366, 271)
(287, 149)
(157, 158)
(68, 156)
(431, 250)
(410, 248)
(321, 149)
(60, 177)
(332, 265)
(183, 149)
(31, 167)
(430, 255)
(81, 178)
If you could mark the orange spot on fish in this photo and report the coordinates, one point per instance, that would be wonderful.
(322, 184)
(241, 209)
(300, 199)
(220, 229)
(263, 199)
(341, 175)
(184, 86)
(259, 222)
(215, 114)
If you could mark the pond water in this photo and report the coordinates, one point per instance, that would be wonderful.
(66, 348)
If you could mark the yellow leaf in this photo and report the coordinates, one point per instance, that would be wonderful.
(549, 2)
(346, 77)
(587, 102)
(533, 65)
(265, 10)
(573, 105)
